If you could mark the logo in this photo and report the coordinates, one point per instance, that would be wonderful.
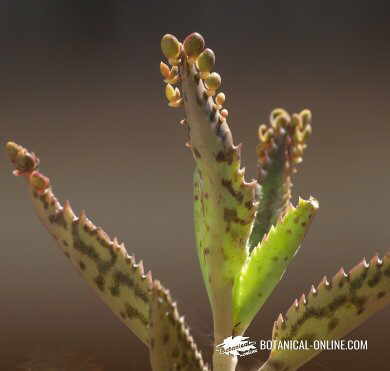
(237, 346)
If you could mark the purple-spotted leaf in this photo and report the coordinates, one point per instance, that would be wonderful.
(104, 263)
(268, 261)
(281, 148)
(331, 311)
(224, 201)
(172, 348)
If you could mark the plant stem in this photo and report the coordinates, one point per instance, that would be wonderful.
(222, 329)
(266, 367)
(221, 362)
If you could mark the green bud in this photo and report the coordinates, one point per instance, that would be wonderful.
(12, 150)
(213, 81)
(39, 181)
(25, 161)
(220, 99)
(170, 47)
(206, 60)
(193, 45)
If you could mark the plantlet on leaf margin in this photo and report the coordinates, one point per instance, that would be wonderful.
(246, 233)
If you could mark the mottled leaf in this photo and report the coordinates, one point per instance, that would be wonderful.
(104, 263)
(281, 148)
(224, 201)
(268, 262)
(331, 310)
(172, 348)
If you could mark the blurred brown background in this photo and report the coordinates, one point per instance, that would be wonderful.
(81, 87)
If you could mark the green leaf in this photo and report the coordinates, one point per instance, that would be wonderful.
(224, 202)
(331, 310)
(102, 262)
(281, 148)
(172, 348)
(268, 262)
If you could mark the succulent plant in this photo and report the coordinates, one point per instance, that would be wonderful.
(246, 234)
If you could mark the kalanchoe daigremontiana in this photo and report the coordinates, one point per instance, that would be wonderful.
(246, 233)
(233, 217)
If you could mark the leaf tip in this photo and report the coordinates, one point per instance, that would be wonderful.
(25, 162)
